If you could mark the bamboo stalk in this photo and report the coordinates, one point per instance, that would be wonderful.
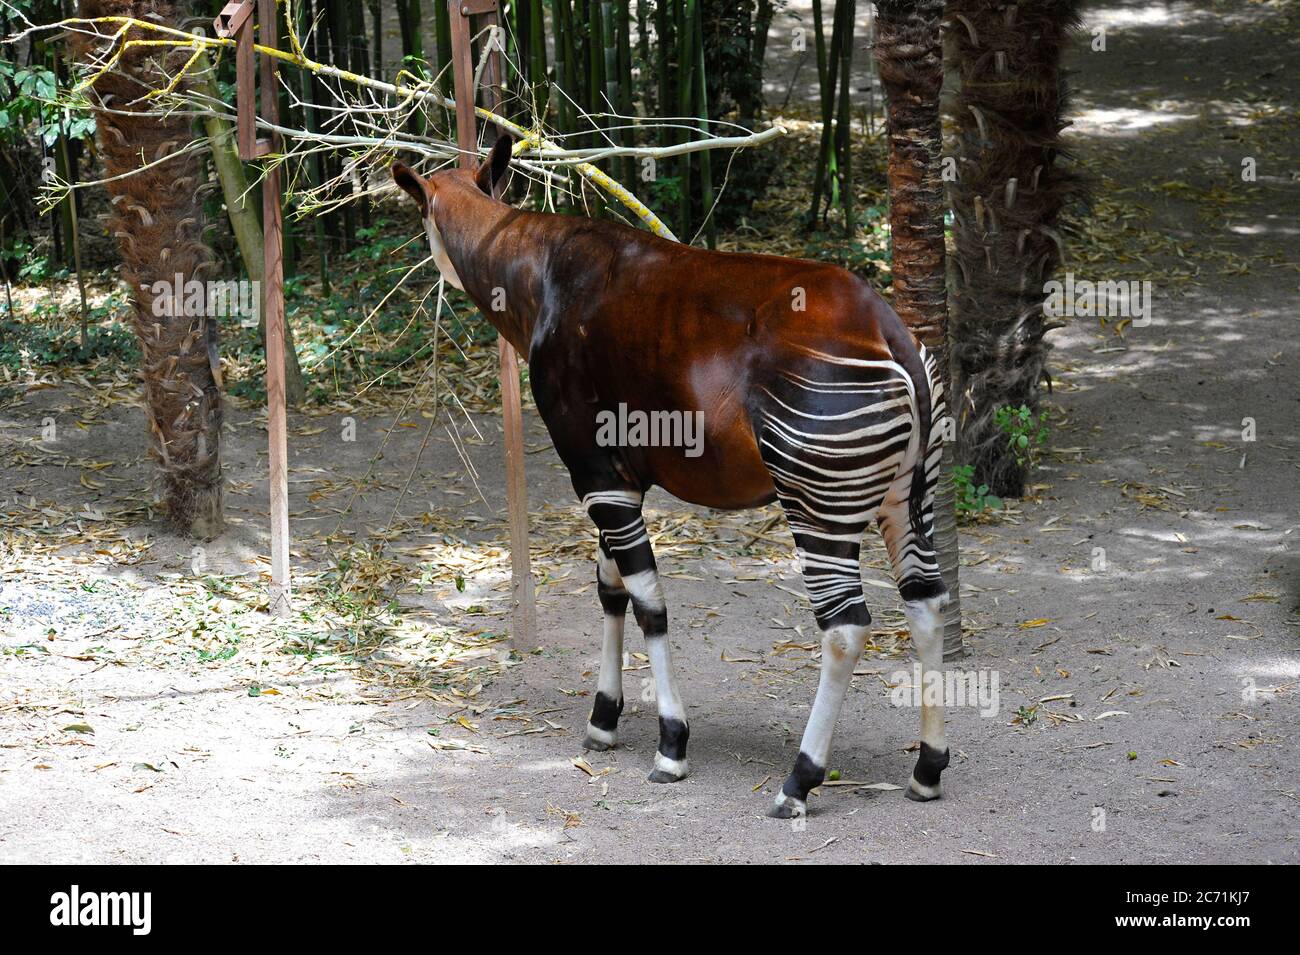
(824, 154)
(843, 125)
(643, 49)
(663, 29)
(595, 69)
(625, 85)
(377, 31)
(70, 211)
(609, 30)
(762, 27)
(562, 24)
(230, 173)
(537, 58)
(685, 73)
(702, 110)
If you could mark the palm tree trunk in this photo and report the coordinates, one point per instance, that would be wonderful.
(158, 218)
(1006, 200)
(909, 54)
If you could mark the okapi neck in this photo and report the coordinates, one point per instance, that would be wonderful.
(499, 259)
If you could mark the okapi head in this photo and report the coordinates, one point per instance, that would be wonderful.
(426, 192)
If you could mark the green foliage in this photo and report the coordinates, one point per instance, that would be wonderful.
(1026, 432)
(45, 336)
(867, 252)
(28, 344)
(733, 37)
(33, 104)
(663, 194)
(972, 499)
(377, 242)
(32, 268)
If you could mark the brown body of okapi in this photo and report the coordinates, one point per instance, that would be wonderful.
(809, 389)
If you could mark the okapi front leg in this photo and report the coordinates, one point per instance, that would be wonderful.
(618, 515)
(602, 728)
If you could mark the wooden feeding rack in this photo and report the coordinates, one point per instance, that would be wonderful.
(523, 620)
(236, 19)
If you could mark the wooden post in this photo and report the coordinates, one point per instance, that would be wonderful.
(523, 628)
(273, 305)
(237, 18)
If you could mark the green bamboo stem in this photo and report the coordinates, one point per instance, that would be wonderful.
(442, 43)
(824, 153)
(702, 110)
(843, 124)
(663, 40)
(565, 64)
(537, 57)
(685, 73)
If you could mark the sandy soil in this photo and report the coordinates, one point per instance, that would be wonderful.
(125, 737)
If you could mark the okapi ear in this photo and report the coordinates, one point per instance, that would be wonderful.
(490, 173)
(410, 181)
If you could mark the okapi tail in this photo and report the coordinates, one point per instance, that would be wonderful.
(917, 503)
(923, 370)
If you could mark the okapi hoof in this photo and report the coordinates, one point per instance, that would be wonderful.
(668, 770)
(919, 793)
(924, 785)
(787, 807)
(598, 739)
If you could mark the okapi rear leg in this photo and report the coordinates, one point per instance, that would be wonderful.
(834, 584)
(618, 515)
(916, 570)
(925, 621)
(602, 727)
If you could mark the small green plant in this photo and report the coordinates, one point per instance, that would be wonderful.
(43, 343)
(972, 499)
(1027, 715)
(224, 652)
(665, 193)
(1026, 432)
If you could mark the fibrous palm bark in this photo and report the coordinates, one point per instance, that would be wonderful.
(157, 217)
(1007, 196)
(909, 57)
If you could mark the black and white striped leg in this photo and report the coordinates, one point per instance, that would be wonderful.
(925, 621)
(908, 539)
(602, 727)
(618, 515)
(832, 577)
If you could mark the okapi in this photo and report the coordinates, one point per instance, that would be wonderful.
(813, 392)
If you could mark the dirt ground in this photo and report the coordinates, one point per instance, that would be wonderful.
(1148, 702)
